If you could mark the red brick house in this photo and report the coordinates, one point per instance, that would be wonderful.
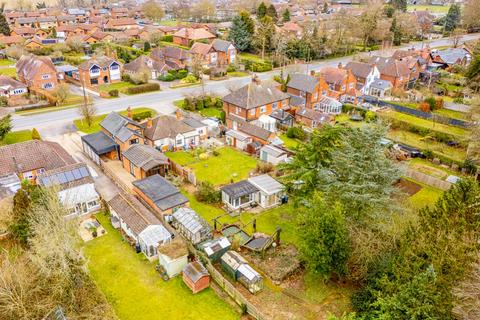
(176, 58)
(217, 53)
(37, 72)
(313, 118)
(100, 70)
(185, 36)
(341, 83)
(395, 71)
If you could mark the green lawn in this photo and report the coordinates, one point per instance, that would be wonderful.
(229, 165)
(171, 44)
(430, 168)
(238, 74)
(83, 127)
(451, 114)
(250, 56)
(170, 23)
(417, 141)
(426, 123)
(433, 9)
(120, 86)
(16, 136)
(11, 72)
(136, 291)
(289, 143)
(74, 99)
(267, 221)
(6, 63)
(206, 112)
(426, 196)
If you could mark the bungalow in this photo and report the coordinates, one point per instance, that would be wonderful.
(30, 158)
(312, 118)
(11, 88)
(452, 56)
(173, 257)
(100, 70)
(47, 22)
(365, 74)
(252, 101)
(143, 161)
(196, 276)
(145, 64)
(171, 133)
(186, 36)
(239, 270)
(77, 191)
(121, 24)
(262, 190)
(138, 224)
(273, 155)
(162, 196)
(98, 36)
(37, 72)
(64, 20)
(117, 13)
(191, 226)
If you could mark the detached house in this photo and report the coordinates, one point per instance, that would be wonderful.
(100, 70)
(341, 83)
(365, 74)
(175, 58)
(37, 72)
(395, 71)
(185, 36)
(254, 103)
(154, 68)
(217, 53)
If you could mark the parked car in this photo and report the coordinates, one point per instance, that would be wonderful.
(410, 151)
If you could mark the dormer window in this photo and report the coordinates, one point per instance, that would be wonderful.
(114, 66)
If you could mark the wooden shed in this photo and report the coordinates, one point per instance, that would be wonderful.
(216, 248)
(196, 276)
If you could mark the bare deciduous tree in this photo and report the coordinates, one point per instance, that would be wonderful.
(87, 112)
(467, 295)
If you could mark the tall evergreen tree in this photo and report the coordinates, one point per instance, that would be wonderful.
(286, 15)
(452, 20)
(5, 126)
(272, 12)
(4, 27)
(261, 10)
(249, 23)
(240, 34)
(399, 5)
(396, 33)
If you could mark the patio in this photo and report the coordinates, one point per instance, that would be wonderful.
(88, 228)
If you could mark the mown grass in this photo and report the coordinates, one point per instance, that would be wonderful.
(16, 137)
(120, 86)
(10, 72)
(206, 112)
(136, 291)
(83, 127)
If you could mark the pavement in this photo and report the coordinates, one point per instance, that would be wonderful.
(56, 123)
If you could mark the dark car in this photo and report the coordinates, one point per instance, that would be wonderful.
(411, 151)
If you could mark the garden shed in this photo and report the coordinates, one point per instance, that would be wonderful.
(270, 190)
(196, 276)
(191, 225)
(239, 269)
(173, 257)
(216, 248)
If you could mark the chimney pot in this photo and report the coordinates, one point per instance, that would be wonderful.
(340, 66)
(312, 73)
(178, 114)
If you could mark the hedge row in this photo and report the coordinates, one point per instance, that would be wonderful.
(256, 66)
(139, 116)
(147, 87)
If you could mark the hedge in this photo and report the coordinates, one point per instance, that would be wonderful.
(256, 66)
(147, 87)
(168, 38)
(139, 116)
(113, 93)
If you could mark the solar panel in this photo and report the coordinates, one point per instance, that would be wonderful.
(84, 172)
(62, 178)
(69, 176)
(76, 174)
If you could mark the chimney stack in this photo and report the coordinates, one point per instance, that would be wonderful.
(312, 73)
(178, 114)
(255, 79)
(129, 112)
(340, 66)
(149, 123)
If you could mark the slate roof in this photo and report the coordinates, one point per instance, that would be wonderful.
(166, 127)
(296, 101)
(451, 55)
(194, 123)
(100, 142)
(169, 52)
(303, 82)
(10, 83)
(133, 212)
(145, 156)
(195, 271)
(101, 62)
(381, 84)
(239, 189)
(255, 94)
(359, 69)
(114, 122)
(314, 115)
(221, 45)
(162, 193)
(31, 155)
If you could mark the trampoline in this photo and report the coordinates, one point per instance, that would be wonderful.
(232, 230)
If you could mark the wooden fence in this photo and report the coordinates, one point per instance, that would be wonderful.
(183, 172)
(428, 180)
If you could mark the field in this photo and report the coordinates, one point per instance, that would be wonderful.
(229, 165)
(16, 136)
(136, 291)
(83, 127)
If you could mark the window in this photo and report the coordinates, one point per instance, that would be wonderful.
(263, 109)
(302, 94)
(28, 175)
(252, 112)
(45, 76)
(179, 142)
(92, 204)
(343, 88)
(237, 110)
(132, 169)
(274, 105)
(41, 170)
(47, 85)
(200, 131)
(315, 96)
(104, 68)
(324, 92)
(350, 85)
(134, 141)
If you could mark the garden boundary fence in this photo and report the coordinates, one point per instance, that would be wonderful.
(183, 172)
(428, 180)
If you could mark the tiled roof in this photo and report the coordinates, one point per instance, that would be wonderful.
(10, 84)
(28, 65)
(255, 94)
(161, 192)
(391, 67)
(314, 115)
(303, 82)
(333, 75)
(146, 63)
(359, 69)
(31, 155)
(166, 127)
(193, 34)
(200, 48)
(221, 45)
(102, 61)
(145, 156)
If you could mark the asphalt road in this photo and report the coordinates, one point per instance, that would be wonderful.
(59, 122)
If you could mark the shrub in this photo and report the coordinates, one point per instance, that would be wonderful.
(370, 116)
(215, 153)
(113, 93)
(182, 74)
(168, 38)
(189, 79)
(264, 167)
(166, 77)
(439, 103)
(296, 133)
(73, 60)
(206, 193)
(126, 77)
(231, 68)
(431, 102)
(223, 116)
(36, 134)
(147, 87)
(200, 104)
(425, 107)
(139, 116)
(3, 101)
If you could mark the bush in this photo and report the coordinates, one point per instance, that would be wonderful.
(113, 93)
(147, 87)
(296, 133)
(182, 74)
(189, 79)
(206, 193)
(73, 60)
(126, 77)
(166, 77)
(215, 153)
(199, 104)
(231, 68)
(264, 167)
(168, 38)
(431, 102)
(425, 107)
(36, 134)
(3, 101)
(370, 116)
(139, 116)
